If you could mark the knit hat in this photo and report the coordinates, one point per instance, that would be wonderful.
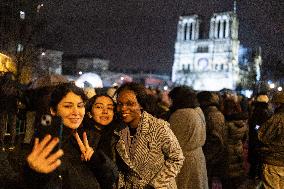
(262, 98)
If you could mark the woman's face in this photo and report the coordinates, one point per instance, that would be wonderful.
(129, 108)
(71, 109)
(102, 110)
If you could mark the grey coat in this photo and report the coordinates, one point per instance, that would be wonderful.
(188, 125)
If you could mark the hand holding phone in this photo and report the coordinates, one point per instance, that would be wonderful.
(41, 159)
(46, 152)
(51, 125)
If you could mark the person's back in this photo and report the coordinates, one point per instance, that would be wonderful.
(271, 134)
(260, 114)
(187, 121)
(236, 135)
(214, 148)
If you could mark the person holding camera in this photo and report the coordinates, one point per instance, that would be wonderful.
(55, 160)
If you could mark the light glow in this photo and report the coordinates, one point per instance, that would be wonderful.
(272, 86)
(91, 79)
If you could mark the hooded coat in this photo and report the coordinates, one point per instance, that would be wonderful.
(188, 124)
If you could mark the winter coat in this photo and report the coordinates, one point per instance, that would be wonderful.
(72, 173)
(103, 142)
(214, 148)
(154, 157)
(237, 131)
(188, 125)
(260, 114)
(271, 134)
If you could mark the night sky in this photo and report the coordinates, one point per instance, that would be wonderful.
(141, 33)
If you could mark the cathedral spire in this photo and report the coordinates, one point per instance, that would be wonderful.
(235, 6)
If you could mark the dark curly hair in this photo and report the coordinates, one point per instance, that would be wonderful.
(139, 91)
(207, 98)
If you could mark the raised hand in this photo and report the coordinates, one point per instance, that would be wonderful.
(40, 159)
(86, 150)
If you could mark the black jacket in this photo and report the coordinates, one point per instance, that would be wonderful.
(103, 142)
(72, 174)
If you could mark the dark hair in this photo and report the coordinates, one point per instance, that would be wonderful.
(92, 100)
(90, 122)
(183, 97)
(138, 89)
(61, 91)
(207, 98)
(231, 107)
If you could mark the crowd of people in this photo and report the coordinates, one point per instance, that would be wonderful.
(142, 138)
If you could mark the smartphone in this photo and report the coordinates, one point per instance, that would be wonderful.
(50, 125)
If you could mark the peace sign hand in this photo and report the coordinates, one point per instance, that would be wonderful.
(86, 150)
(40, 159)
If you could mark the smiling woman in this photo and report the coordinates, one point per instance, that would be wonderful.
(48, 168)
(99, 124)
(149, 155)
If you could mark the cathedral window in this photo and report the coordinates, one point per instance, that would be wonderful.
(218, 29)
(190, 32)
(224, 29)
(185, 32)
(202, 49)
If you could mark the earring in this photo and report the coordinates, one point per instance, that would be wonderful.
(89, 114)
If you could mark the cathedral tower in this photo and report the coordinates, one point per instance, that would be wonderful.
(207, 64)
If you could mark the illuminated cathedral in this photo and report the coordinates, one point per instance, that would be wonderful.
(211, 63)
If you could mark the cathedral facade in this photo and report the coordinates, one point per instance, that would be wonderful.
(207, 64)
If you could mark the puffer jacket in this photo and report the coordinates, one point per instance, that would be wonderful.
(237, 131)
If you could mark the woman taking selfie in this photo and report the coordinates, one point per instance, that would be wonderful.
(50, 167)
(99, 124)
(149, 155)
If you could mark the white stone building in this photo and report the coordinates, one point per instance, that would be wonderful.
(51, 61)
(207, 64)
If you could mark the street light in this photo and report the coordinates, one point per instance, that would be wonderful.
(271, 85)
(279, 88)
